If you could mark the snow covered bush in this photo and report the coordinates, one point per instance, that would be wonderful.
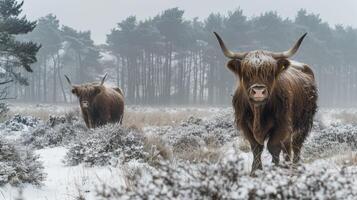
(220, 126)
(19, 165)
(197, 139)
(331, 140)
(20, 123)
(227, 180)
(3, 109)
(58, 130)
(109, 144)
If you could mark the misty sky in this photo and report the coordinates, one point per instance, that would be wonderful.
(100, 16)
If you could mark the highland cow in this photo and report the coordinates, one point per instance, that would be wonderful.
(275, 101)
(99, 104)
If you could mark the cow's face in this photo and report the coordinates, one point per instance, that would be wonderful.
(258, 70)
(257, 73)
(86, 93)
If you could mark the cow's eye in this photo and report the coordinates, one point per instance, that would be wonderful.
(270, 78)
(247, 79)
(74, 91)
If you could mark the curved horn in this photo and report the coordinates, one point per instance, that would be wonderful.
(290, 52)
(69, 81)
(228, 53)
(105, 76)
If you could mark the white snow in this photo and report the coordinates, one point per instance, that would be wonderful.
(2, 70)
(63, 182)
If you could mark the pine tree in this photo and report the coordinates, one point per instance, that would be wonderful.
(14, 54)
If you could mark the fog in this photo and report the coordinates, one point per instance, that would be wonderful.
(101, 16)
(163, 52)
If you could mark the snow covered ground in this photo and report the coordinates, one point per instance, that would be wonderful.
(65, 182)
(187, 137)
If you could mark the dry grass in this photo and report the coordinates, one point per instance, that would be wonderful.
(193, 150)
(132, 117)
(157, 149)
(42, 111)
(187, 149)
(243, 145)
(158, 118)
(346, 117)
(128, 176)
(349, 158)
(207, 153)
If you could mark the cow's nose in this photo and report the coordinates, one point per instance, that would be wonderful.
(85, 104)
(259, 92)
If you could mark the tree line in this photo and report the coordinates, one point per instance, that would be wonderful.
(168, 59)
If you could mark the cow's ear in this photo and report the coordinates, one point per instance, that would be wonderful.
(97, 90)
(235, 66)
(282, 65)
(74, 90)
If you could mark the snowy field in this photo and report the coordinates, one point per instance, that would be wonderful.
(46, 152)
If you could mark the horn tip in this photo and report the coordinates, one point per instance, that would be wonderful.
(216, 34)
(303, 36)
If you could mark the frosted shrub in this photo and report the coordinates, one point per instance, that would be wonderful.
(227, 180)
(19, 166)
(20, 123)
(331, 140)
(107, 145)
(57, 131)
(4, 108)
(180, 181)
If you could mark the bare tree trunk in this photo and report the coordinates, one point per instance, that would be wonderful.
(54, 89)
(60, 78)
(45, 80)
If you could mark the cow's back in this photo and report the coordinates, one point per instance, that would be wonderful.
(110, 103)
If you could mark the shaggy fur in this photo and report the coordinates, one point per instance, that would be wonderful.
(284, 118)
(99, 104)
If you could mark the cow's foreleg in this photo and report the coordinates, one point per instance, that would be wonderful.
(257, 150)
(86, 118)
(90, 121)
(274, 150)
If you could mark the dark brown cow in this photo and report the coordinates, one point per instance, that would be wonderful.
(99, 104)
(275, 100)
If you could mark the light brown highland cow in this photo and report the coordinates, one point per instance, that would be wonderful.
(99, 104)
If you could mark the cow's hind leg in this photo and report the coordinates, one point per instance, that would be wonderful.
(286, 147)
(298, 140)
(278, 141)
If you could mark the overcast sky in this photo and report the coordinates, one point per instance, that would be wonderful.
(100, 16)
